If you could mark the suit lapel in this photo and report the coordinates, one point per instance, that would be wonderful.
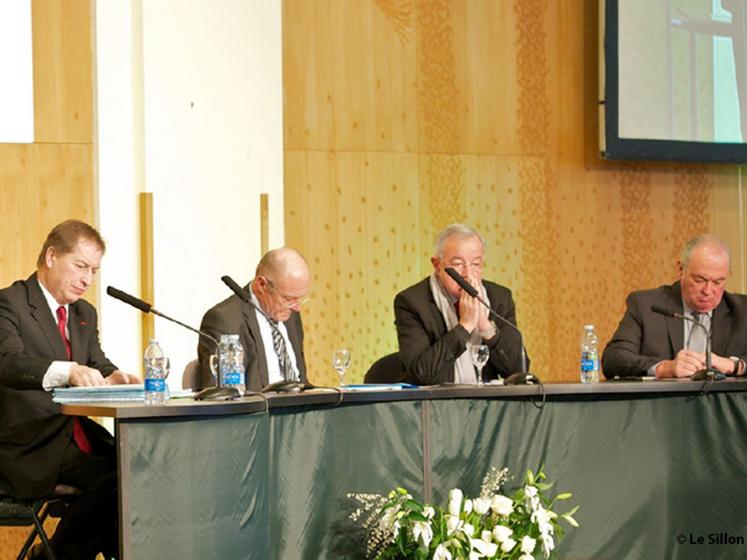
(720, 328)
(250, 316)
(294, 335)
(675, 327)
(78, 329)
(43, 316)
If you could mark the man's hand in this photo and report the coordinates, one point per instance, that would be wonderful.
(724, 365)
(83, 376)
(685, 363)
(119, 377)
(469, 311)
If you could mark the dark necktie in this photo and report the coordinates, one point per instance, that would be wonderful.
(278, 342)
(79, 434)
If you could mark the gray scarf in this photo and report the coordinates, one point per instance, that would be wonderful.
(464, 370)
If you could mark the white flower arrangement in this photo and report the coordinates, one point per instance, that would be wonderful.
(518, 527)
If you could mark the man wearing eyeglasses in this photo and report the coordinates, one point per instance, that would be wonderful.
(436, 319)
(271, 332)
(649, 344)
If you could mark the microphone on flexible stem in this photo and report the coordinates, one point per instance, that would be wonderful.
(515, 378)
(210, 393)
(709, 372)
(148, 308)
(286, 385)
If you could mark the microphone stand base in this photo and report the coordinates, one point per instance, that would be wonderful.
(706, 374)
(521, 379)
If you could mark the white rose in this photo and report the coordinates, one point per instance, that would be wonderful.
(442, 553)
(528, 544)
(487, 536)
(501, 533)
(467, 506)
(482, 505)
(502, 505)
(507, 545)
(455, 501)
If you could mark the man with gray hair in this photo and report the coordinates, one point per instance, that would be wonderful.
(271, 332)
(649, 343)
(436, 319)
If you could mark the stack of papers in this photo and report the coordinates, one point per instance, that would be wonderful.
(108, 393)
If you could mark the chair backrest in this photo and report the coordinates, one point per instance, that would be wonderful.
(191, 375)
(384, 370)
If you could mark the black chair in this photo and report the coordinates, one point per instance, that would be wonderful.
(385, 370)
(21, 513)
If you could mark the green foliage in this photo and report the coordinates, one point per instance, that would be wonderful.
(521, 526)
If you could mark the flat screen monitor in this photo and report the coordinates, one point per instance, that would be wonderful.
(674, 84)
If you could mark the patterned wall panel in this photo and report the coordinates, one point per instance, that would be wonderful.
(487, 111)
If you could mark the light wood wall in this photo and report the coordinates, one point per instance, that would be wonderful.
(52, 179)
(402, 116)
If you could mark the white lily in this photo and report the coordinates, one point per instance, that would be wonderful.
(441, 553)
(486, 549)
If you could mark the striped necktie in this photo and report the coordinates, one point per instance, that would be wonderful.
(278, 342)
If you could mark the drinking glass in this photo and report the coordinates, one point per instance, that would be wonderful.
(480, 354)
(341, 362)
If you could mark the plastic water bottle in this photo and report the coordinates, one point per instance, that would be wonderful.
(231, 362)
(154, 365)
(589, 356)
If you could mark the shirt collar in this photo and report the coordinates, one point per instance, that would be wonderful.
(51, 301)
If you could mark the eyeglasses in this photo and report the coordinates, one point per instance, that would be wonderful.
(460, 266)
(287, 300)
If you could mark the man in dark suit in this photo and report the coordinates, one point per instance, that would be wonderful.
(436, 319)
(651, 344)
(49, 338)
(272, 336)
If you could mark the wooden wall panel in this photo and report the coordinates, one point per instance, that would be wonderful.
(53, 179)
(63, 71)
(504, 100)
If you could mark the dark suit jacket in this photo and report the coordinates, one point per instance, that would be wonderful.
(428, 351)
(233, 316)
(645, 338)
(33, 432)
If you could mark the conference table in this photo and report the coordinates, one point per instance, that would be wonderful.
(657, 467)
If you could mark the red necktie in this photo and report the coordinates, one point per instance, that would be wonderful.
(79, 434)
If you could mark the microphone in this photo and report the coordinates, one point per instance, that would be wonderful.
(209, 393)
(709, 372)
(148, 308)
(288, 385)
(515, 378)
(128, 299)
